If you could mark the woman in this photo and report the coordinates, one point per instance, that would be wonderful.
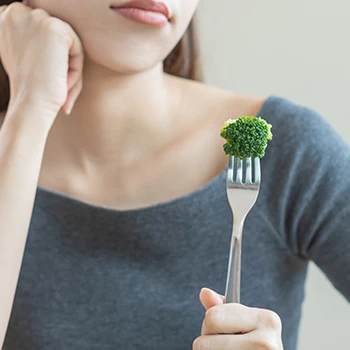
(115, 215)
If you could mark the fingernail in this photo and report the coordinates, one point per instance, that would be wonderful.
(69, 110)
(217, 296)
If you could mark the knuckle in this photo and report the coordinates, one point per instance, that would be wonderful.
(271, 319)
(56, 28)
(52, 24)
(201, 343)
(266, 343)
(197, 344)
(39, 13)
(14, 9)
(2, 10)
(14, 6)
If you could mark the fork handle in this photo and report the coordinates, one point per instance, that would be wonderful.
(233, 282)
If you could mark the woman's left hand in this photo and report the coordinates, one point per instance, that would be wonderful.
(234, 326)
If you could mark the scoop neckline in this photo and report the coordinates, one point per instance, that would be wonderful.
(161, 205)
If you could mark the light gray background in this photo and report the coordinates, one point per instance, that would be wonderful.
(298, 49)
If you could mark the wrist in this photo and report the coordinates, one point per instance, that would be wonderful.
(31, 115)
(27, 123)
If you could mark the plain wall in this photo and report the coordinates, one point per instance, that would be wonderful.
(299, 50)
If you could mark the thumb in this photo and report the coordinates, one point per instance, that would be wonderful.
(209, 298)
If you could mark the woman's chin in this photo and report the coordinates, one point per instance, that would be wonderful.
(122, 66)
(131, 63)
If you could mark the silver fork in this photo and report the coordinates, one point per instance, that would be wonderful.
(242, 194)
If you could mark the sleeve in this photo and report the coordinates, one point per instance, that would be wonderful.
(311, 190)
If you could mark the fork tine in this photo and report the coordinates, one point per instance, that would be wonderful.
(239, 177)
(231, 161)
(249, 170)
(257, 172)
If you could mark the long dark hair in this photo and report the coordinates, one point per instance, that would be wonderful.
(183, 61)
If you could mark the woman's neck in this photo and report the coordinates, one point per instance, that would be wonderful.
(117, 118)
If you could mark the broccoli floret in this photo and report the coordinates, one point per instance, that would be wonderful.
(246, 137)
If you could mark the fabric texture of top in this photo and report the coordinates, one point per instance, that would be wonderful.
(95, 278)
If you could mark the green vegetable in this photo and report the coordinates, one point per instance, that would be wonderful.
(246, 137)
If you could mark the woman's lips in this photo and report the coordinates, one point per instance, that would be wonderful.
(149, 12)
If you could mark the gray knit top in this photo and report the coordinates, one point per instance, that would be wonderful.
(95, 278)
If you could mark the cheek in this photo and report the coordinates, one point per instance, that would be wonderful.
(184, 15)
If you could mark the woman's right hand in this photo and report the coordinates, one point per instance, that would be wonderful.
(43, 57)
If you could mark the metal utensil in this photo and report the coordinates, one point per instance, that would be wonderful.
(243, 184)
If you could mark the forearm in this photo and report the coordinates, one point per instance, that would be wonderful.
(22, 144)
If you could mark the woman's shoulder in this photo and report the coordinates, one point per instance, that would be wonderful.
(288, 117)
(296, 125)
(287, 112)
(211, 104)
(222, 103)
